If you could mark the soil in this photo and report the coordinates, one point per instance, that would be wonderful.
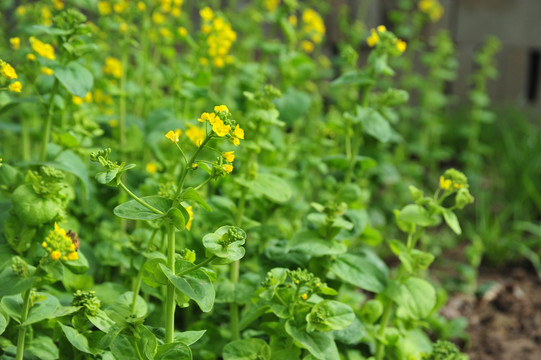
(505, 322)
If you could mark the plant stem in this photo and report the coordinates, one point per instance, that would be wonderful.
(189, 164)
(195, 267)
(139, 200)
(170, 297)
(48, 122)
(22, 328)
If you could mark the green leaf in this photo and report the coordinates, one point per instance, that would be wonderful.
(11, 283)
(132, 210)
(353, 77)
(101, 320)
(3, 323)
(75, 338)
(71, 163)
(177, 218)
(189, 337)
(452, 221)
(75, 77)
(43, 348)
(292, 105)
(415, 214)
(190, 194)
(42, 309)
(146, 342)
(415, 298)
(247, 349)
(152, 274)
(220, 243)
(78, 266)
(320, 345)
(311, 243)
(374, 124)
(123, 347)
(174, 351)
(360, 271)
(196, 285)
(268, 185)
(329, 315)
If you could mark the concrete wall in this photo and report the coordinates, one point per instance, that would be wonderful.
(517, 23)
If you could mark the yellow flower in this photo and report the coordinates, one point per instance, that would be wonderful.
(15, 87)
(47, 71)
(113, 66)
(220, 128)
(195, 166)
(373, 38)
(204, 61)
(204, 117)
(239, 133)
(174, 136)
(307, 46)
(123, 27)
(195, 134)
(381, 29)
(43, 49)
(73, 256)
(7, 70)
(206, 13)
(166, 33)
(151, 168)
(58, 4)
(15, 43)
(44, 244)
(271, 5)
(212, 118)
(220, 108)
(141, 6)
(292, 19)
(401, 45)
(218, 62)
(104, 7)
(228, 168)
(55, 255)
(236, 141)
(77, 100)
(445, 184)
(182, 31)
(189, 223)
(229, 156)
(313, 25)
(304, 296)
(30, 57)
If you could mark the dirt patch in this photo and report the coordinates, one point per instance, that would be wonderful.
(505, 322)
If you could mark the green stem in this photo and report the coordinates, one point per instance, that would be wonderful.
(22, 328)
(195, 267)
(139, 200)
(46, 131)
(170, 296)
(189, 165)
(202, 184)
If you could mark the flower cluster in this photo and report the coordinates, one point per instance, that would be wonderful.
(174, 136)
(9, 73)
(113, 67)
(453, 179)
(220, 37)
(88, 300)
(381, 33)
(223, 124)
(42, 49)
(271, 5)
(432, 8)
(61, 245)
(313, 25)
(79, 100)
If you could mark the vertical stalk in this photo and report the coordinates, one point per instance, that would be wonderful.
(24, 140)
(122, 100)
(170, 297)
(22, 328)
(46, 131)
